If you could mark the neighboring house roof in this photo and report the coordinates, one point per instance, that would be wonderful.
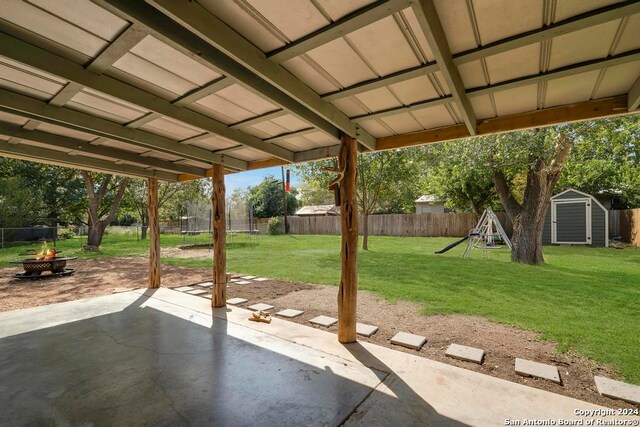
(318, 210)
(429, 198)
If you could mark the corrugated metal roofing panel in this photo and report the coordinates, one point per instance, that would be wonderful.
(145, 70)
(336, 9)
(482, 106)
(433, 117)
(618, 80)
(168, 58)
(224, 110)
(472, 74)
(402, 123)
(213, 143)
(334, 55)
(309, 75)
(53, 28)
(514, 63)
(571, 89)
(568, 8)
(293, 18)
(517, 100)
(71, 133)
(414, 90)
(290, 122)
(384, 46)
(630, 38)
(106, 107)
(499, 19)
(103, 23)
(583, 45)
(171, 128)
(376, 128)
(456, 23)
(246, 99)
(378, 99)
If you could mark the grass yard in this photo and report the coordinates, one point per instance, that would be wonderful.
(583, 298)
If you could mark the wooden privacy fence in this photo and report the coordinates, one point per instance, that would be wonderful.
(425, 225)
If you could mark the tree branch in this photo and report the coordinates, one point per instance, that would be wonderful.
(510, 204)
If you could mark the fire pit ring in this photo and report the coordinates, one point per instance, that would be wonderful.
(34, 267)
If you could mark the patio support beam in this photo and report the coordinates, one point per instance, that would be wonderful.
(154, 235)
(343, 26)
(427, 15)
(219, 297)
(633, 98)
(348, 290)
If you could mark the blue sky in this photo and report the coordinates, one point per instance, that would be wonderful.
(250, 178)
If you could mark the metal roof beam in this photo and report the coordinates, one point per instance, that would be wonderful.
(201, 92)
(427, 15)
(576, 23)
(353, 21)
(85, 147)
(36, 57)
(238, 58)
(582, 67)
(259, 119)
(117, 49)
(59, 158)
(38, 110)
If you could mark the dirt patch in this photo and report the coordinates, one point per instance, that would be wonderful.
(501, 343)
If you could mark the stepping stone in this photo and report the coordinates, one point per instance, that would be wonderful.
(208, 296)
(243, 282)
(468, 354)
(236, 301)
(205, 284)
(248, 277)
(198, 292)
(234, 280)
(260, 307)
(325, 321)
(529, 368)
(409, 340)
(260, 279)
(618, 390)
(184, 288)
(289, 313)
(365, 330)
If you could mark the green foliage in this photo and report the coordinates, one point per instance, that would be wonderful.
(266, 198)
(40, 194)
(275, 226)
(66, 233)
(388, 181)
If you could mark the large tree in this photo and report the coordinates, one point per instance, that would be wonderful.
(266, 198)
(388, 181)
(105, 195)
(459, 176)
(540, 155)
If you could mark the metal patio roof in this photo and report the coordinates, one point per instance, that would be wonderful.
(166, 87)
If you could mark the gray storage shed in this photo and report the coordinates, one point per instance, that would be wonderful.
(576, 218)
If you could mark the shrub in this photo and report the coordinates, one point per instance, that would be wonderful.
(66, 233)
(275, 226)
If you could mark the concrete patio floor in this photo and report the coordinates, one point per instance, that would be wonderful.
(165, 358)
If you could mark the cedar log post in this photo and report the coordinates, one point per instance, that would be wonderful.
(154, 235)
(347, 293)
(219, 297)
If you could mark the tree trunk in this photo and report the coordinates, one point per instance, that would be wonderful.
(96, 232)
(144, 227)
(527, 237)
(365, 232)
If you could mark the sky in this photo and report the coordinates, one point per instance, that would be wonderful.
(251, 178)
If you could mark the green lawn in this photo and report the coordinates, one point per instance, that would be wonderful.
(584, 298)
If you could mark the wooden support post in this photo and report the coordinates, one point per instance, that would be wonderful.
(219, 297)
(154, 235)
(347, 293)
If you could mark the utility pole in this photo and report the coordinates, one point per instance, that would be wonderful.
(284, 201)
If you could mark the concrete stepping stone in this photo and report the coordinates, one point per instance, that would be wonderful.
(528, 368)
(617, 389)
(365, 330)
(243, 282)
(248, 277)
(184, 288)
(234, 280)
(205, 284)
(260, 279)
(207, 296)
(289, 313)
(260, 307)
(325, 321)
(468, 354)
(408, 340)
(198, 292)
(236, 301)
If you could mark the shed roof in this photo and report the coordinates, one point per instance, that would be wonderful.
(318, 210)
(165, 88)
(429, 198)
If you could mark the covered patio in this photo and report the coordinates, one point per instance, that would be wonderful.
(180, 90)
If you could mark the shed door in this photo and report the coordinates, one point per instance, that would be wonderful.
(571, 221)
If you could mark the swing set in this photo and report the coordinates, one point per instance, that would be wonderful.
(487, 235)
